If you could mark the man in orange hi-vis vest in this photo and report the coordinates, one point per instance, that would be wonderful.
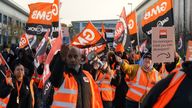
(175, 90)
(77, 89)
(140, 80)
(103, 76)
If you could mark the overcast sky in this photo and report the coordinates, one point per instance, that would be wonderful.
(75, 10)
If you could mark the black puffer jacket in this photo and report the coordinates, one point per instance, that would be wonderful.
(183, 95)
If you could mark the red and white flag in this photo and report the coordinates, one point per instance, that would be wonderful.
(121, 30)
(55, 48)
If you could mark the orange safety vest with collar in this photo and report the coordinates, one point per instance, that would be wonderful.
(4, 102)
(169, 92)
(141, 84)
(66, 95)
(107, 91)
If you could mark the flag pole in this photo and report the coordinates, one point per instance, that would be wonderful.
(59, 19)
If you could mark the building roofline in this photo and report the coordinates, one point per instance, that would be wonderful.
(16, 6)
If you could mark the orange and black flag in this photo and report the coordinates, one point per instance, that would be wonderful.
(132, 27)
(88, 37)
(55, 18)
(24, 42)
(40, 18)
(54, 49)
(160, 14)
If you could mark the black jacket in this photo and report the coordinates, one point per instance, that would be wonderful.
(3, 86)
(84, 90)
(121, 88)
(25, 95)
(182, 97)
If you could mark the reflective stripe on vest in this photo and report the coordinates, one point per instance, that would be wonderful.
(137, 81)
(2, 104)
(64, 104)
(167, 95)
(136, 89)
(103, 82)
(65, 90)
(177, 76)
(107, 92)
(139, 86)
(156, 76)
(106, 89)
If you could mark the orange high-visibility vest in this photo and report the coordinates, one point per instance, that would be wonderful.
(141, 85)
(4, 102)
(169, 92)
(106, 89)
(66, 95)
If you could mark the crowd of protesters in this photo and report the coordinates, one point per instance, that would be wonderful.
(122, 78)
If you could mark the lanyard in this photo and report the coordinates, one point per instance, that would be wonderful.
(19, 87)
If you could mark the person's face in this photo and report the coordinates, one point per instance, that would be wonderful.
(147, 62)
(19, 72)
(73, 58)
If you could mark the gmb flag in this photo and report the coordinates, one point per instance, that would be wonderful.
(40, 17)
(132, 28)
(160, 14)
(88, 37)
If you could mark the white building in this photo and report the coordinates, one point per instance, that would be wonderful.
(13, 19)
